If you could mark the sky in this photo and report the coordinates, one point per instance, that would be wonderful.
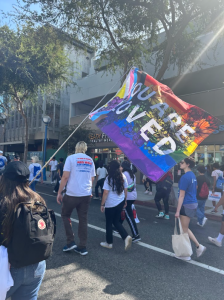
(6, 6)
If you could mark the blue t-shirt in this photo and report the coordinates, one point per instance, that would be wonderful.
(3, 160)
(188, 183)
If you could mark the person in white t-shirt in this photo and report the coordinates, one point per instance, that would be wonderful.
(101, 174)
(215, 175)
(53, 164)
(113, 202)
(79, 174)
(34, 169)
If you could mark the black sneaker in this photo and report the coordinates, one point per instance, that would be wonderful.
(82, 251)
(136, 238)
(69, 247)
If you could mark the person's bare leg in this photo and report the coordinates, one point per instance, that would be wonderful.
(222, 228)
(193, 238)
(185, 221)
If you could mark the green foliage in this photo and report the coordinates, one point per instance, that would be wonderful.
(31, 59)
(124, 32)
(81, 134)
(116, 33)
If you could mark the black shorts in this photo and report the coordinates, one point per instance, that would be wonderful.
(188, 212)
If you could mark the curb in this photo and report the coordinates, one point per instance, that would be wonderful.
(173, 209)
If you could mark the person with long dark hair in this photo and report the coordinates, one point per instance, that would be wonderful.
(113, 201)
(131, 197)
(14, 190)
(187, 202)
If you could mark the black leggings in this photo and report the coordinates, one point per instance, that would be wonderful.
(162, 194)
(113, 215)
(99, 184)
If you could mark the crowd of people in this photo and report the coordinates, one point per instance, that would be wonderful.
(74, 181)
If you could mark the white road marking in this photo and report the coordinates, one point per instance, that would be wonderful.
(193, 262)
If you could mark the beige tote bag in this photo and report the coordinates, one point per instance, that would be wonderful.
(181, 242)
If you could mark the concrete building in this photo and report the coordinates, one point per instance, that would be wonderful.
(202, 84)
(57, 107)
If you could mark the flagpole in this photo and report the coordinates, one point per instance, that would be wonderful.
(79, 126)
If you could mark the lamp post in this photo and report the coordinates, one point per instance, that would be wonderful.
(47, 121)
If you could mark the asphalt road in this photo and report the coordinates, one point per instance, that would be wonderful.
(140, 273)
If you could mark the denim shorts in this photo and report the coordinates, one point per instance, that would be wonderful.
(188, 212)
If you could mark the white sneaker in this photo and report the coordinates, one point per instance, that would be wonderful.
(214, 241)
(146, 192)
(186, 258)
(204, 221)
(128, 242)
(199, 224)
(106, 245)
(55, 192)
(200, 250)
(150, 193)
(160, 215)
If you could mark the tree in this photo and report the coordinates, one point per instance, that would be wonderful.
(32, 60)
(182, 21)
(6, 106)
(116, 34)
(125, 31)
(82, 134)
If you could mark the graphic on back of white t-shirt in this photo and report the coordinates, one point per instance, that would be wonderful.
(83, 164)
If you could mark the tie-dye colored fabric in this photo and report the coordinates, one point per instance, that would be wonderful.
(152, 126)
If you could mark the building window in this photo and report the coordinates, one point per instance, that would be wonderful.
(84, 74)
(17, 120)
(40, 116)
(57, 116)
(34, 116)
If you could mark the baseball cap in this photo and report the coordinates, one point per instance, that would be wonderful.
(17, 171)
(126, 165)
(17, 156)
(1, 151)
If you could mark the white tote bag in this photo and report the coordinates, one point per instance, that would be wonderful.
(181, 242)
(216, 196)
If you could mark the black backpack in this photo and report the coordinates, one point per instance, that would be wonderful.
(165, 185)
(32, 237)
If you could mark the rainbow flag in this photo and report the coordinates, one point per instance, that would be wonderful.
(152, 126)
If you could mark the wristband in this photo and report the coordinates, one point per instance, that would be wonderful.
(103, 205)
